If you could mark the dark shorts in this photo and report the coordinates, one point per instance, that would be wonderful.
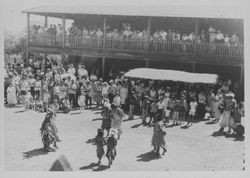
(23, 92)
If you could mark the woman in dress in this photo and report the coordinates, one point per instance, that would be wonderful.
(117, 117)
(158, 140)
(11, 95)
(124, 95)
(81, 98)
(227, 115)
(218, 102)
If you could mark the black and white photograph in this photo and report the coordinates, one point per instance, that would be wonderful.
(124, 86)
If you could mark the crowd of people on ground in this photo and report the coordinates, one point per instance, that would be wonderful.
(210, 35)
(43, 85)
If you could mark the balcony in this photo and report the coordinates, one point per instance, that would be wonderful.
(141, 46)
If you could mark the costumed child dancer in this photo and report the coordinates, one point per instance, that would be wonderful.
(100, 142)
(106, 114)
(111, 146)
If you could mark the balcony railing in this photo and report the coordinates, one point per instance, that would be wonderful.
(154, 46)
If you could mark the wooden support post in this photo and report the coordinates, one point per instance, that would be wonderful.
(242, 82)
(64, 30)
(193, 67)
(45, 21)
(103, 67)
(63, 58)
(104, 31)
(148, 33)
(45, 70)
(28, 38)
(196, 35)
(147, 62)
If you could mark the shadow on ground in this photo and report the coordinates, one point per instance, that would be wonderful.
(235, 136)
(95, 167)
(185, 126)
(96, 119)
(102, 168)
(13, 106)
(33, 153)
(21, 111)
(98, 112)
(136, 125)
(146, 157)
(91, 140)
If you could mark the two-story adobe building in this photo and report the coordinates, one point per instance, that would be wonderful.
(123, 54)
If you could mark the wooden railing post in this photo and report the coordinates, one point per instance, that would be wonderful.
(148, 33)
(104, 32)
(28, 38)
(196, 36)
(64, 30)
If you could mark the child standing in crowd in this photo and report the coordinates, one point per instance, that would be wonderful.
(166, 102)
(81, 98)
(153, 111)
(46, 98)
(145, 108)
(193, 106)
(38, 86)
(27, 100)
(100, 142)
(160, 106)
(176, 113)
(183, 108)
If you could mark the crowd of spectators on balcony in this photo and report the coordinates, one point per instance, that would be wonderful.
(209, 36)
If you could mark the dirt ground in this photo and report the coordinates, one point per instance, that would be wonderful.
(198, 147)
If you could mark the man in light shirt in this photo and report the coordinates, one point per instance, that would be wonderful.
(219, 37)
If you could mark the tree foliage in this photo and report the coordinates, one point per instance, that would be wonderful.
(14, 45)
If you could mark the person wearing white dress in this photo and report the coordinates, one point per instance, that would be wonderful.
(81, 98)
(11, 95)
(124, 95)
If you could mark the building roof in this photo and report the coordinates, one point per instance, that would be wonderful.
(195, 11)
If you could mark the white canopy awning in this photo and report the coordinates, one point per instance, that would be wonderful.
(173, 75)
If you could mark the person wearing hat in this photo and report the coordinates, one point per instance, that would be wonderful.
(117, 100)
(100, 142)
(112, 91)
(71, 69)
(49, 130)
(118, 116)
(105, 90)
(107, 115)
